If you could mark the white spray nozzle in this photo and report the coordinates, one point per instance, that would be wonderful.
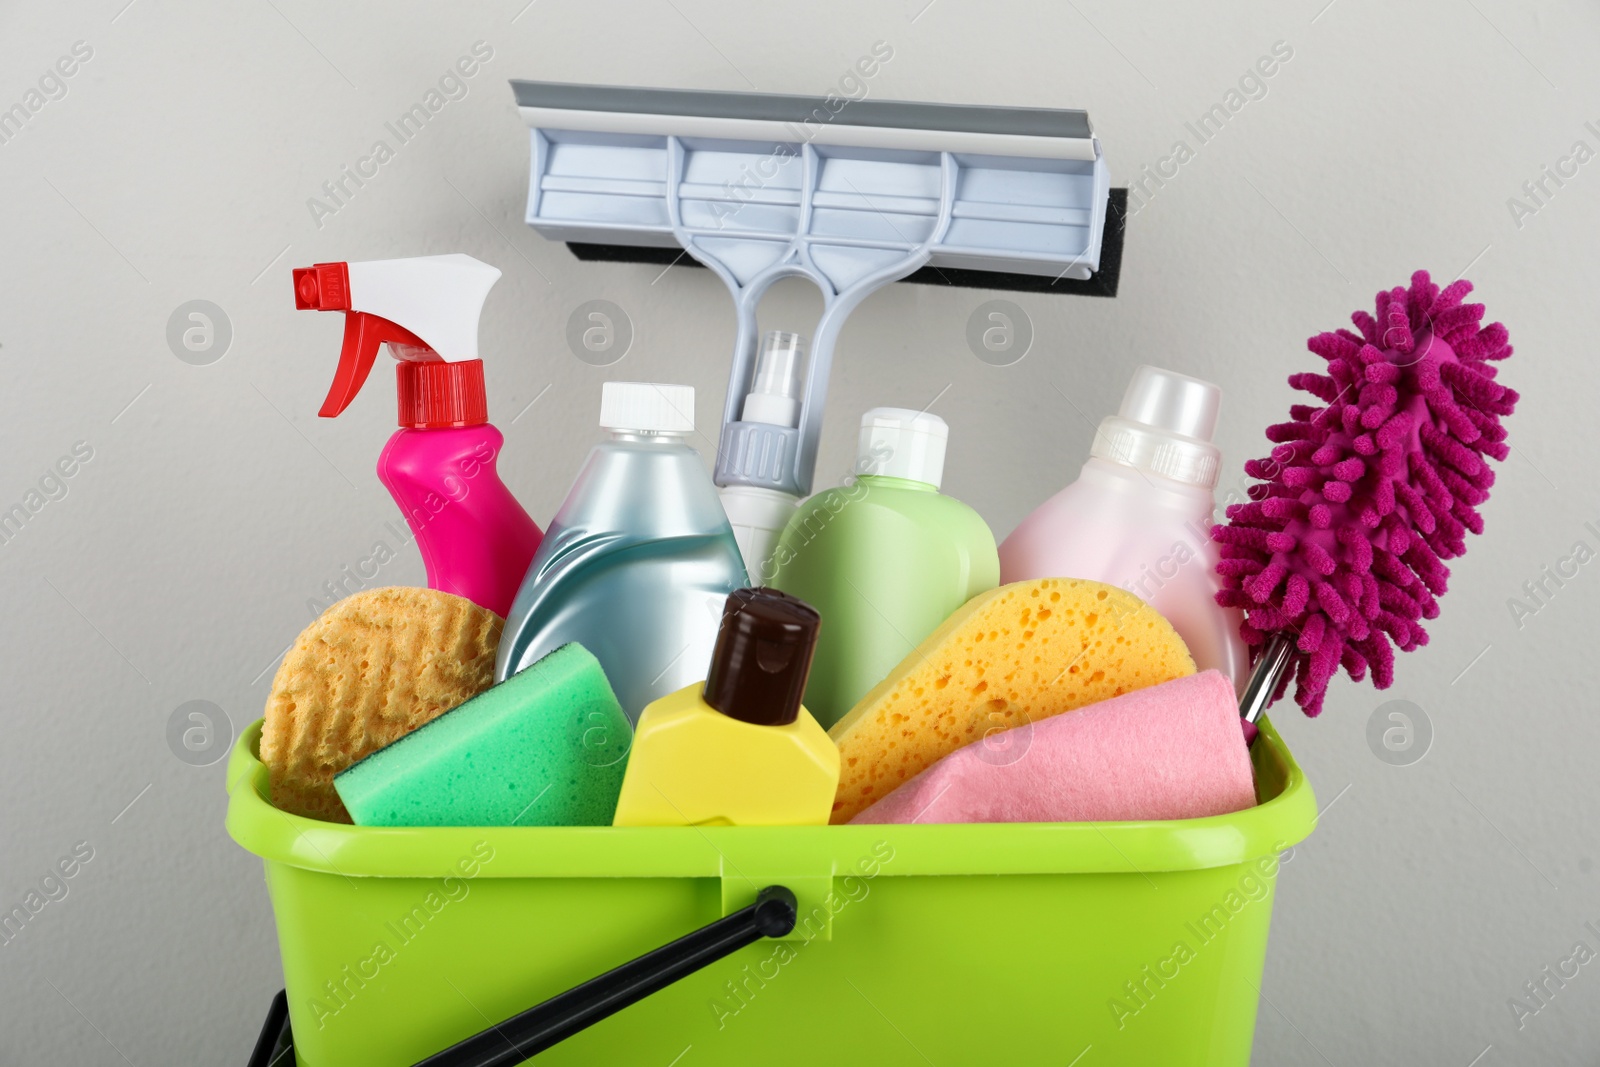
(438, 298)
(774, 396)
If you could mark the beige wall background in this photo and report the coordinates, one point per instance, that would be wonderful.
(208, 503)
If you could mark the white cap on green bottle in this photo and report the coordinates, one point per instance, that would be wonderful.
(903, 443)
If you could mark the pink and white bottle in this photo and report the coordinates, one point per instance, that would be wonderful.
(1139, 516)
(476, 539)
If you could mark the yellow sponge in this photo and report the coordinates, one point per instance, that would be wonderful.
(1011, 656)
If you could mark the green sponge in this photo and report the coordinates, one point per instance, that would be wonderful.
(546, 747)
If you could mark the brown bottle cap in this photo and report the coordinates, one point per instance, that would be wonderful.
(763, 655)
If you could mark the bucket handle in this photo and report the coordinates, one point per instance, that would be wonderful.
(525, 1035)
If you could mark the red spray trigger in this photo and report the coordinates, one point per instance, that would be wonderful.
(326, 287)
(363, 334)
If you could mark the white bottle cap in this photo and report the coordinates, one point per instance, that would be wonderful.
(645, 407)
(774, 396)
(902, 443)
(1164, 426)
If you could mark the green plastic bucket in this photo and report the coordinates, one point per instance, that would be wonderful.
(1017, 944)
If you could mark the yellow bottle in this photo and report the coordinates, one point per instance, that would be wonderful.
(738, 749)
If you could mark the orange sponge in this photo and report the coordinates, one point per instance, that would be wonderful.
(1016, 654)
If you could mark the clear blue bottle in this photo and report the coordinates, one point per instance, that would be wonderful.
(639, 560)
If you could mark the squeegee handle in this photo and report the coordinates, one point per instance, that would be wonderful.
(521, 1036)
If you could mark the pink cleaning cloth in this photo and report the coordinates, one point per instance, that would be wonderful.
(1172, 751)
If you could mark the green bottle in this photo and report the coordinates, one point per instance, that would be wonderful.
(884, 560)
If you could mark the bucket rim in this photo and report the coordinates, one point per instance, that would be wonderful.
(1285, 815)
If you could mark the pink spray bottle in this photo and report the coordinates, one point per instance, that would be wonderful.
(476, 540)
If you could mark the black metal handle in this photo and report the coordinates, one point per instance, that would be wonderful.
(521, 1036)
(274, 1046)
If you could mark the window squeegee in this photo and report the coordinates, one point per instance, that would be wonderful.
(851, 195)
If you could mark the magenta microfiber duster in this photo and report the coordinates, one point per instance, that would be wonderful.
(1342, 545)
